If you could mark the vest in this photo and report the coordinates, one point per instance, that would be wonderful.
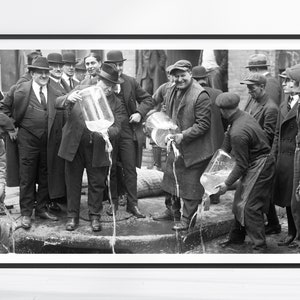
(36, 118)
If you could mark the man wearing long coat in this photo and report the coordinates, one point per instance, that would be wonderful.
(39, 125)
(137, 103)
(189, 106)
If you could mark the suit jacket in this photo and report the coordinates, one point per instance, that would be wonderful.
(75, 126)
(17, 106)
(283, 150)
(64, 88)
(138, 100)
(266, 115)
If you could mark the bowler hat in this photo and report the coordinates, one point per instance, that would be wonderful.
(227, 100)
(257, 60)
(55, 58)
(254, 78)
(294, 72)
(183, 65)
(80, 66)
(199, 72)
(40, 63)
(69, 57)
(114, 56)
(109, 72)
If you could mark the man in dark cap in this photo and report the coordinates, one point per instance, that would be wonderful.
(260, 105)
(130, 145)
(69, 62)
(188, 105)
(82, 148)
(265, 111)
(246, 141)
(34, 114)
(257, 63)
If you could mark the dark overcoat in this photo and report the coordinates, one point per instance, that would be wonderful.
(17, 105)
(136, 99)
(265, 114)
(154, 68)
(273, 89)
(283, 150)
(75, 126)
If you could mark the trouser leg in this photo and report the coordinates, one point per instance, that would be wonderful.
(237, 232)
(42, 196)
(189, 209)
(29, 148)
(73, 173)
(272, 215)
(127, 152)
(254, 224)
(291, 223)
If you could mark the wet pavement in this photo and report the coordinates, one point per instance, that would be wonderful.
(132, 235)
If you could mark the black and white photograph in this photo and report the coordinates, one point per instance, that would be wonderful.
(124, 150)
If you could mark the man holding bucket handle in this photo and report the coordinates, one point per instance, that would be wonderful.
(189, 106)
(82, 148)
(246, 141)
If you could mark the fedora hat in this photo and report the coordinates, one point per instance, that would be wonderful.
(69, 58)
(114, 56)
(199, 72)
(109, 72)
(40, 63)
(257, 60)
(55, 58)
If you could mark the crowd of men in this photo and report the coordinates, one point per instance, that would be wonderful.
(48, 145)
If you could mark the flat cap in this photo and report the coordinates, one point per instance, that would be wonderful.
(257, 60)
(199, 72)
(228, 100)
(254, 78)
(183, 65)
(294, 72)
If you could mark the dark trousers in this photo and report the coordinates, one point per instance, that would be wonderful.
(272, 215)
(96, 180)
(33, 169)
(127, 154)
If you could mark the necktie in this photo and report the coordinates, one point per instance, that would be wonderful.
(43, 99)
(289, 107)
(71, 83)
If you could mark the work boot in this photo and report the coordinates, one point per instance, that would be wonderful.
(95, 224)
(180, 226)
(167, 215)
(72, 224)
